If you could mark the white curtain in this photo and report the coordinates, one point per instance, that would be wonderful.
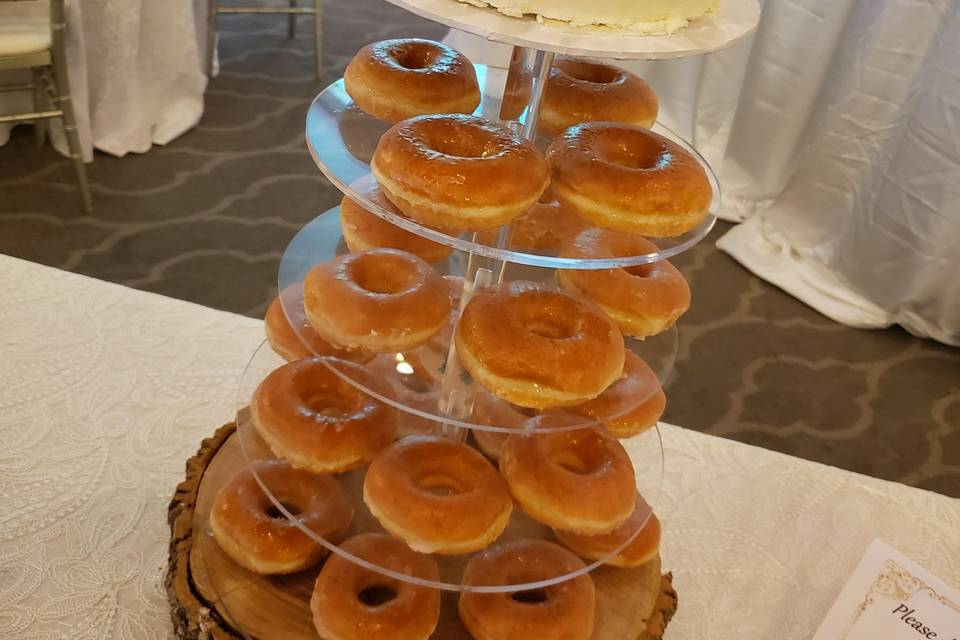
(835, 132)
(135, 67)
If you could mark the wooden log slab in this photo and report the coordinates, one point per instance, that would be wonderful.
(212, 598)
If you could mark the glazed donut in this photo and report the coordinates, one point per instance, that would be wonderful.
(628, 179)
(580, 480)
(363, 230)
(538, 347)
(643, 300)
(563, 611)
(410, 424)
(642, 549)
(545, 226)
(579, 91)
(458, 172)
(488, 409)
(518, 88)
(629, 406)
(317, 420)
(440, 496)
(305, 341)
(350, 602)
(394, 80)
(382, 300)
(258, 536)
(413, 386)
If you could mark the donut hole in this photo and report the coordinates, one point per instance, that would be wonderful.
(589, 72)
(640, 271)
(415, 57)
(451, 138)
(551, 328)
(275, 513)
(382, 274)
(580, 452)
(443, 486)
(640, 152)
(531, 596)
(570, 461)
(326, 404)
(376, 595)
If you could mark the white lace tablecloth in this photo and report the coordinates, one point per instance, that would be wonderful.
(105, 391)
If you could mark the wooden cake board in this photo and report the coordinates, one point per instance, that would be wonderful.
(212, 597)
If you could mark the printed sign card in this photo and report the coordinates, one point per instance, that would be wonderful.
(890, 597)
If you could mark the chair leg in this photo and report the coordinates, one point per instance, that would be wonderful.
(318, 35)
(212, 6)
(62, 84)
(39, 104)
(292, 22)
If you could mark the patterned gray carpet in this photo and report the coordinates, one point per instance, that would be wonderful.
(206, 219)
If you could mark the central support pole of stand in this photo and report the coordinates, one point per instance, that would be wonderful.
(527, 78)
(520, 111)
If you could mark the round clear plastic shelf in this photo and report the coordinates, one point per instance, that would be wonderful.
(645, 451)
(422, 390)
(342, 139)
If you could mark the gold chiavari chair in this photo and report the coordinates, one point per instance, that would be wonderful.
(291, 12)
(25, 44)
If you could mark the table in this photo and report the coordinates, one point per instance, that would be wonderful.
(106, 391)
(136, 71)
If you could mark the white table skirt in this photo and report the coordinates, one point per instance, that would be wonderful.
(135, 67)
(106, 391)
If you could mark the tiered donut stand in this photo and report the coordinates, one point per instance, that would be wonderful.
(427, 388)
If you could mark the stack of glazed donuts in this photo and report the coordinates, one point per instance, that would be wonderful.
(549, 363)
(604, 185)
(452, 171)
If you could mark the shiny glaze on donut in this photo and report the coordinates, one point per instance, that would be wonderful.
(382, 300)
(258, 536)
(350, 602)
(628, 179)
(544, 227)
(538, 347)
(457, 171)
(641, 549)
(488, 409)
(580, 91)
(438, 495)
(305, 341)
(580, 480)
(643, 300)
(397, 79)
(563, 611)
(364, 230)
(317, 420)
(629, 406)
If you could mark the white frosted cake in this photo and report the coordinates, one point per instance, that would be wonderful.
(642, 16)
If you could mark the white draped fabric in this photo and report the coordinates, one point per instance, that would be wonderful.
(136, 71)
(835, 132)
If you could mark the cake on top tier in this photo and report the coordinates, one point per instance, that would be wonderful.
(641, 16)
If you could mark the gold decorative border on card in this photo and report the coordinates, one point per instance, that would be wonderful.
(896, 582)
